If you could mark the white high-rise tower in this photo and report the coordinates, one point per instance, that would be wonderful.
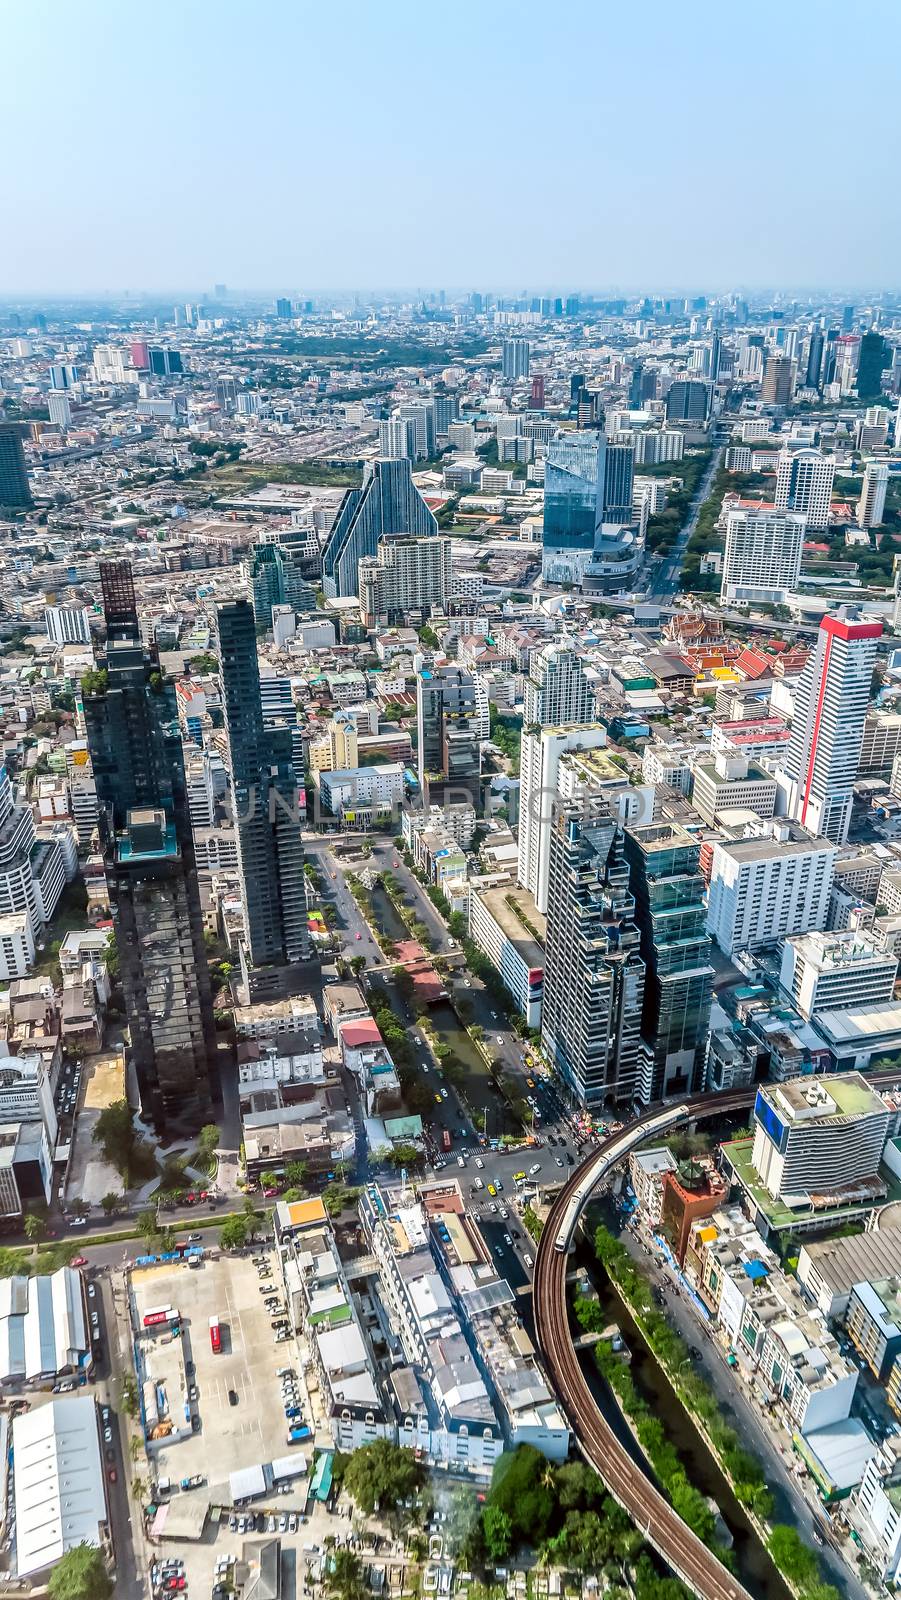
(804, 483)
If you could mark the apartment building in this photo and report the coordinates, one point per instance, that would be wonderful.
(836, 971)
(509, 929)
(773, 882)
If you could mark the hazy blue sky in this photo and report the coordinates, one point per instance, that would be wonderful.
(270, 144)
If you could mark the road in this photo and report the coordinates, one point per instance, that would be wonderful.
(662, 573)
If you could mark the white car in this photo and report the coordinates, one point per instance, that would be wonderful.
(528, 1260)
(535, 1167)
(444, 1094)
(499, 1037)
(479, 1163)
(504, 1212)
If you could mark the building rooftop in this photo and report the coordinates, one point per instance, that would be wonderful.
(846, 1094)
(59, 1489)
(517, 915)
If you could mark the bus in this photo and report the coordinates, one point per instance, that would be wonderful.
(215, 1336)
(156, 1316)
(446, 1139)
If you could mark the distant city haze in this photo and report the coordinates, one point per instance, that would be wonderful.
(313, 148)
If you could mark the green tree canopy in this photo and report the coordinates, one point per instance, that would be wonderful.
(233, 1233)
(80, 1575)
(382, 1474)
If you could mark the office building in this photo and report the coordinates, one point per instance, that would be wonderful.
(871, 505)
(670, 913)
(15, 493)
(32, 872)
(59, 410)
(573, 504)
(729, 781)
(762, 559)
(542, 748)
(67, 624)
(515, 356)
(421, 415)
(62, 375)
(836, 971)
(449, 731)
(277, 950)
(446, 410)
(831, 699)
(225, 390)
(558, 689)
(773, 882)
(387, 503)
(283, 310)
(814, 370)
(278, 574)
(593, 972)
(405, 576)
(536, 398)
(508, 928)
(619, 474)
(778, 381)
(688, 400)
(814, 1137)
(804, 484)
(138, 765)
(875, 355)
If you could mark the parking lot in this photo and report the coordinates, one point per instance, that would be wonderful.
(238, 1397)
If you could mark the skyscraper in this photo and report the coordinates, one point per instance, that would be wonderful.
(814, 373)
(283, 309)
(762, 559)
(558, 689)
(688, 400)
(405, 576)
(277, 949)
(397, 438)
(871, 505)
(536, 398)
(875, 356)
(593, 972)
(388, 502)
(448, 728)
(778, 381)
(138, 765)
(619, 477)
(515, 356)
(59, 410)
(669, 893)
(804, 484)
(831, 699)
(15, 493)
(573, 504)
(542, 748)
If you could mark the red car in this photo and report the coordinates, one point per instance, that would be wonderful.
(78, 1261)
(112, 1474)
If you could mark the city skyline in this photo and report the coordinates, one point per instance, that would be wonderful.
(320, 131)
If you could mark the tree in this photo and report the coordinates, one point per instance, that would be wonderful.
(791, 1556)
(208, 1137)
(498, 1531)
(111, 1202)
(79, 1574)
(344, 1576)
(148, 1225)
(114, 1131)
(233, 1233)
(382, 1474)
(518, 1487)
(357, 965)
(35, 1227)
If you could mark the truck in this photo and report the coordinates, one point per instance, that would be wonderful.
(446, 1139)
(196, 1482)
(215, 1336)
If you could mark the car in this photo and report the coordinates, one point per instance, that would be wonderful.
(233, 1524)
(535, 1167)
(444, 1094)
(358, 936)
(570, 1160)
(283, 1522)
(507, 1239)
(504, 1211)
(193, 1391)
(270, 1524)
(292, 1522)
(112, 1474)
(107, 1435)
(194, 1238)
(78, 1261)
(92, 1292)
(110, 1455)
(195, 1423)
(499, 1037)
(232, 1397)
(493, 1207)
(479, 1163)
(528, 1260)
(285, 1372)
(438, 1099)
(498, 1249)
(558, 1161)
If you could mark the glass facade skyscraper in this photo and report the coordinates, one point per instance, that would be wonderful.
(15, 493)
(388, 502)
(138, 764)
(572, 504)
(671, 915)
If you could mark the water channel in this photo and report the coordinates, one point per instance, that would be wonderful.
(753, 1565)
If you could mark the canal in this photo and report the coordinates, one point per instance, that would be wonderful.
(753, 1566)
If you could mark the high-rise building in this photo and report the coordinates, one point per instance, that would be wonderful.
(847, 319)
(15, 493)
(542, 748)
(773, 882)
(139, 355)
(32, 874)
(763, 552)
(421, 414)
(449, 730)
(576, 385)
(804, 483)
(871, 505)
(165, 363)
(265, 799)
(875, 355)
(397, 438)
(138, 765)
(558, 689)
(388, 502)
(688, 400)
(536, 398)
(619, 477)
(669, 893)
(814, 373)
(67, 624)
(831, 699)
(405, 575)
(226, 392)
(62, 375)
(515, 357)
(59, 410)
(593, 972)
(778, 381)
(283, 309)
(573, 504)
(446, 408)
